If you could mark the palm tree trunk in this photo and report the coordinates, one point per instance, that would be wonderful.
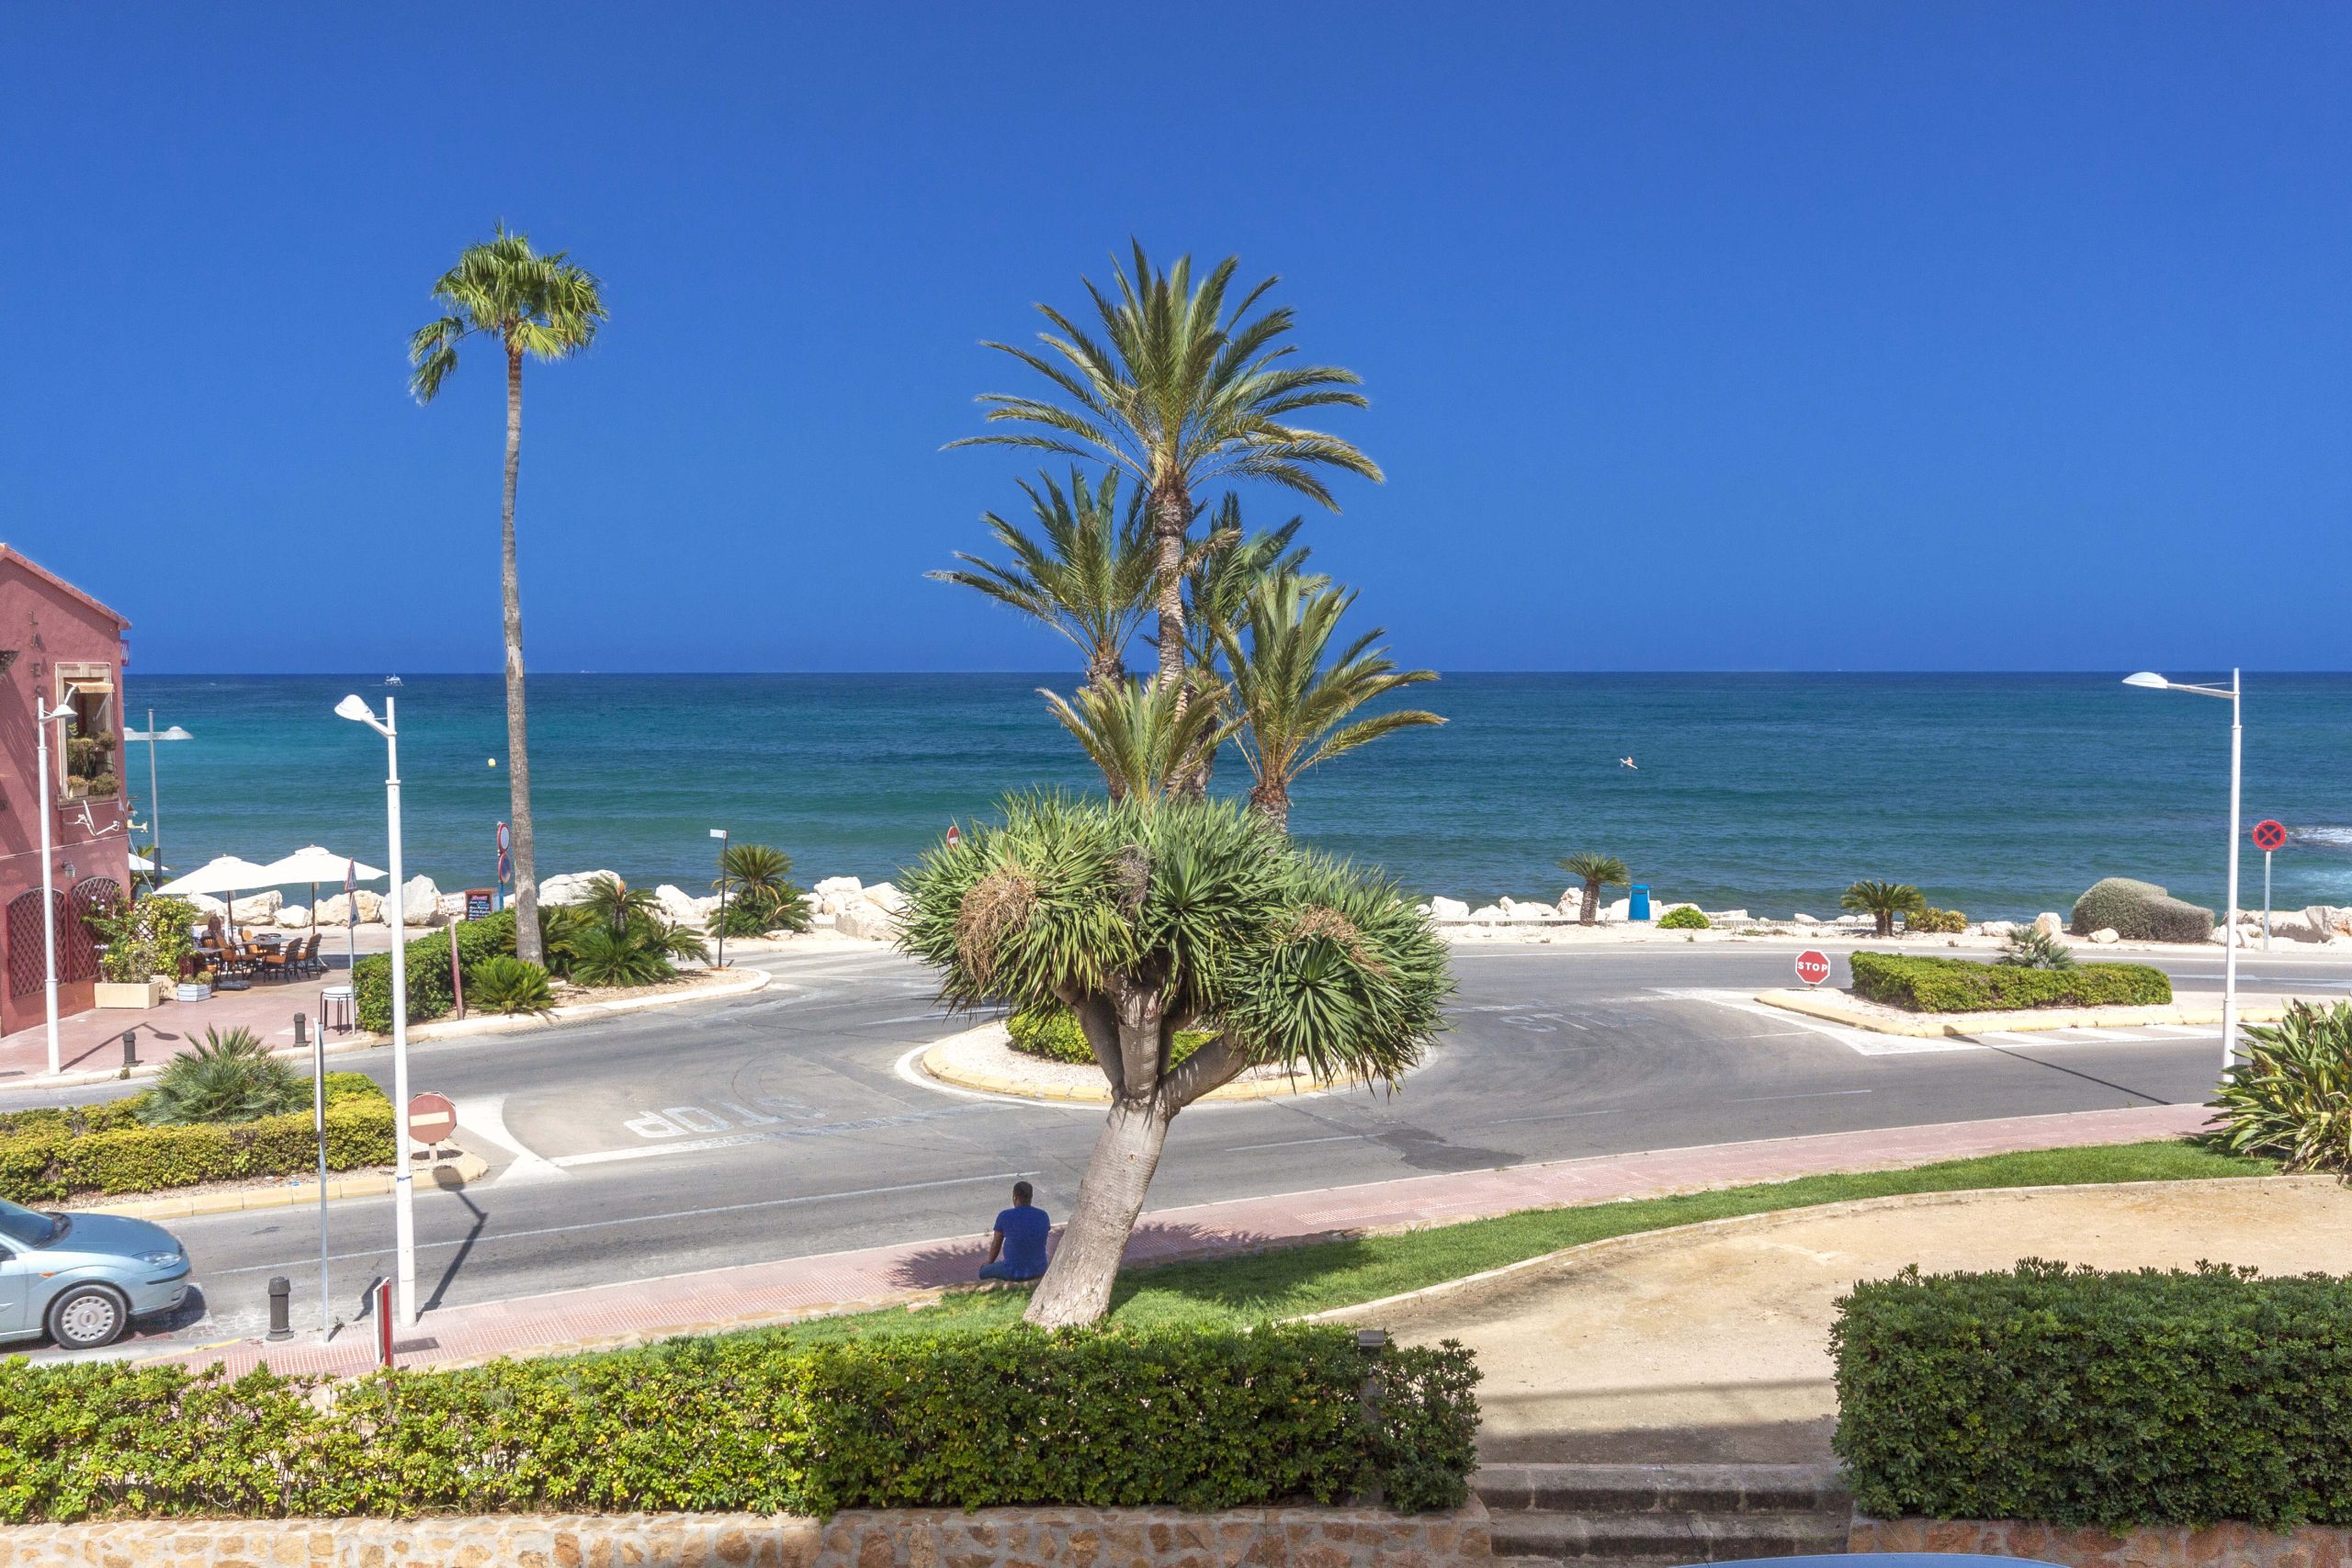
(1885, 922)
(1172, 516)
(1077, 1287)
(527, 946)
(1269, 798)
(1590, 913)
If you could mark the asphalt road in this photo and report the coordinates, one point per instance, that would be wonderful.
(791, 1122)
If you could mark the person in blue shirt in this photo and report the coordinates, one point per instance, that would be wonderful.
(1017, 1250)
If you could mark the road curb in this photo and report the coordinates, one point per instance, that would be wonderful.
(458, 1172)
(938, 1063)
(1836, 1007)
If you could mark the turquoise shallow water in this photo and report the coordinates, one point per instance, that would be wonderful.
(1999, 794)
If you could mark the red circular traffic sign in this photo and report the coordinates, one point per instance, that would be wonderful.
(431, 1120)
(1812, 966)
(2269, 835)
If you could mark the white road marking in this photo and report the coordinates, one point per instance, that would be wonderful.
(735, 1140)
(1295, 1143)
(1825, 1094)
(485, 1115)
(1861, 1041)
(907, 1071)
(1554, 1116)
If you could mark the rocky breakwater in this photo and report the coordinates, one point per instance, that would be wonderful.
(847, 907)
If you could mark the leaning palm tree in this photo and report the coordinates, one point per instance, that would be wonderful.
(1882, 901)
(1292, 705)
(1086, 573)
(1148, 738)
(539, 307)
(1596, 871)
(1179, 390)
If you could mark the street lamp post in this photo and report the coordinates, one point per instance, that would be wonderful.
(721, 834)
(154, 801)
(404, 1194)
(43, 716)
(2150, 681)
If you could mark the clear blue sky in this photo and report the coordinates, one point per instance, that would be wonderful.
(1794, 336)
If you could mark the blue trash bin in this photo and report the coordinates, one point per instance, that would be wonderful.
(1640, 907)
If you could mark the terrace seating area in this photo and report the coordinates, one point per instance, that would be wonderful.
(240, 958)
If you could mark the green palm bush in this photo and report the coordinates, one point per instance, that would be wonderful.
(1148, 919)
(226, 1077)
(1148, 738)
(760, 895)
(2291, 1100)
(500, 984)
(1596, 871)
(604, 956)
(1882, 901)
(1085, 572)
(2030, 948)
(618, 936)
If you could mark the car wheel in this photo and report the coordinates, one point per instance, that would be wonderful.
(87, 1316)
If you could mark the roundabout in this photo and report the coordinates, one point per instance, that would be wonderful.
(983, 1061)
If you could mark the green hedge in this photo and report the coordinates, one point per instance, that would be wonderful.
(50, 1156)
(1685, 919)
(1053, 1033)
(2140, 911)
(1195, 1417)
(2085, 1398)
(1955, 985)
(429, 996)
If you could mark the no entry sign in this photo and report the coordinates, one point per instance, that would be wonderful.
(431, 1120)
(2269, 835)
(1812, 966)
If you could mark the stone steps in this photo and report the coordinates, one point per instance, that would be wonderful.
(1643, 1516)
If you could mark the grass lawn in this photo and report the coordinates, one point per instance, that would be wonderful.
(1289, 1282)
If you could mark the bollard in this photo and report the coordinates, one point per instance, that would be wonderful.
(280, 1301)
(1370, 1344)
(129, 1050)
(301, 1036)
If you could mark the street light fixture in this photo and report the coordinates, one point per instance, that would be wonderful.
(43, 716)
(155, 802)
(404, 1194)
(2148, 680)
(721, 834)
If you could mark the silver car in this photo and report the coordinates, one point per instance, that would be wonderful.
(81, 1278)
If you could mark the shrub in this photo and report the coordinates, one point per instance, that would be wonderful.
(500, 984)
(1927, 921)
(2292, 1098)
(756, 880)
(429, 996)
(1685, 919)
(2140, 911)
(1053, 1034)
(1882, 901)
(1191, 1416)
(2085, 1398)
(2032, 948)
(1955, 985)
(51, 1156)
(224, 1077)
(142, 938)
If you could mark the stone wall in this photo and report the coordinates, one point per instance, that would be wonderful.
(912, 1537)
(2166, 1546)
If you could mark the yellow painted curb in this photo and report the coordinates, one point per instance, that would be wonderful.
(1836, 1007)
(458, 1172)
(935, 1065)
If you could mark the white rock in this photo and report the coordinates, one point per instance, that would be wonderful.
(2048, 924)
(1996, 927)
(2328, 918)
(1803, 920)
(2105, 935)
(1620, 910)
(1488, 913)
(419, 902)
(678, 906)
(862, 920)
(572, 886)
(1506, 903)
(1719, 917)
(837, 884)
(205, 903)
(883, 895)
(294, 918)
(336, 911)
(1449, 910)
(1529, 914)
(258, 909)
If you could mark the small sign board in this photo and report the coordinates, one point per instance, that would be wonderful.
(1812, 966)
(2270, 834)
(432, 1120)
(477, 903)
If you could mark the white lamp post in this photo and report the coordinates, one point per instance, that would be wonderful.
(403, 1194)
(721, 834)
(154, 801)
(43, 716)
(2150, 681)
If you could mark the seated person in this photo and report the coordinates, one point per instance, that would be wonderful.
(1017, 1250)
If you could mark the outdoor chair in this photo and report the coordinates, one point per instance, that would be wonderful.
(272, 965)
(309, 963)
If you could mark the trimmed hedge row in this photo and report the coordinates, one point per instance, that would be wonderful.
(49, 1157)
(2140, 911)
(2084, 1398)
(1053, 1034)
(429, 995)
(1196, 1417)
(1956, 984)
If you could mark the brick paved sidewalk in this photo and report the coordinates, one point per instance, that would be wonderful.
(804, 1287)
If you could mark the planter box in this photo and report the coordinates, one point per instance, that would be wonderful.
(194, 991)
(129, 994)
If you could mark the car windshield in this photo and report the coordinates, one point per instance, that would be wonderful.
(25, 1227)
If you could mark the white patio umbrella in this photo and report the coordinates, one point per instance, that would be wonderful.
(140, 862)
(314, 865)
(227, 876)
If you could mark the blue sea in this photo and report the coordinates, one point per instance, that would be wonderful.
(1998, 795)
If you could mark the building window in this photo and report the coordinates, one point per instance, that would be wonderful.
(87, 692)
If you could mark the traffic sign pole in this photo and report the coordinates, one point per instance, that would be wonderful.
(2269, 834)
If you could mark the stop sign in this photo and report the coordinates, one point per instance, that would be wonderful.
(1812, 966)
(431, 1120)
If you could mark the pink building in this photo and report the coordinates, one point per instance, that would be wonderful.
(57, 643)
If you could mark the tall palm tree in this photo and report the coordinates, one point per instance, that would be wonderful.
(1148, 738)
(1596, 871)
(540, 307)
(1291, 707)
(1220, 573)
(1085, 572)
(1179, 390)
